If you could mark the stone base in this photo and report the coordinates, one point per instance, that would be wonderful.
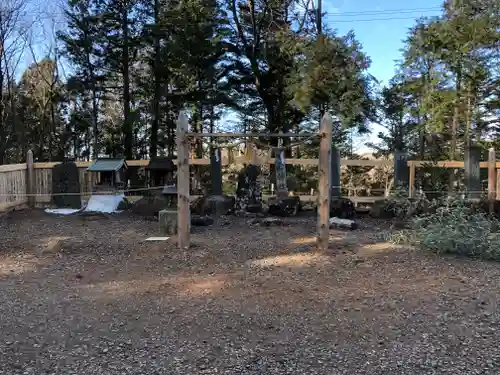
(342, 208)
(216, 205)
(284, 206)
(168, 222)
(150, 205)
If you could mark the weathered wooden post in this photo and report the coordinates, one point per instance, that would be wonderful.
(30, 180)
(325, 154)
(216, 171)
(472, 171)
(492, 161)
(184, 217)
(400, 169)
(335, 173)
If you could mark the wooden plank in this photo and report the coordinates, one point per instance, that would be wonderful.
(241, 159)
(251, 135)
(325, 154)
(439, 164)
(12, 167)
(30, 180)
(448, 164)
(367, 163)
(491, 179)
(50, 165)
(183, 182)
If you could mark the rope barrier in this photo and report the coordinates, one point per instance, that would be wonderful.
(116, 192)
(254, 140)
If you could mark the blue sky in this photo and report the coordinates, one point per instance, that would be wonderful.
(380, 26)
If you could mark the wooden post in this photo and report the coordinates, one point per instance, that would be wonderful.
(30, 180)
(324, 163)
(411, 187)
(183, 182)
(492, 160)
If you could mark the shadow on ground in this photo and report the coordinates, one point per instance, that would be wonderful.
(244, 300)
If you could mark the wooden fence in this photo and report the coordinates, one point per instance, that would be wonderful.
(16, 187)
(13, 186)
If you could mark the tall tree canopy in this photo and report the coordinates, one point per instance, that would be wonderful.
(272, 66)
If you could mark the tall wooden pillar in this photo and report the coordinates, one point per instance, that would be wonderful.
(324, 184)
(184, 217)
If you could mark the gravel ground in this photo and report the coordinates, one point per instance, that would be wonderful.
(89, 296)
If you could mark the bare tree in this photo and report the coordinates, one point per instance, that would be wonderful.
(45, 81)
(12, 44)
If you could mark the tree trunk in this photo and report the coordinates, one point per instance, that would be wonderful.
(127, 120)
(153, 149)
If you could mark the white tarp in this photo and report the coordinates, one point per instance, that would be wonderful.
(96, 203)
(104, 203)
(61, 211)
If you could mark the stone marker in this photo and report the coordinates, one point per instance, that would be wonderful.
(401, 174)
(168, 221)
(472, 172)
(66, 180)
(335, 173)
(216, 172)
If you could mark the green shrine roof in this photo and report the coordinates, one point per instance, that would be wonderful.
(107, 165)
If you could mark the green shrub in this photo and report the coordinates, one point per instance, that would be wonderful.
(456, 228)
(399, 205)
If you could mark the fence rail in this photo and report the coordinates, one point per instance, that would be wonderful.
(15, 187)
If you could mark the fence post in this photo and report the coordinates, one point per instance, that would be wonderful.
(30, 180)
(324, 183)
(183, 182)
(492, 161)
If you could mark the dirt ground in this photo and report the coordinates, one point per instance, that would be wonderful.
(90, 296)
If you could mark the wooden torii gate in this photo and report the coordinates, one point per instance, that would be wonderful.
(324, 166)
